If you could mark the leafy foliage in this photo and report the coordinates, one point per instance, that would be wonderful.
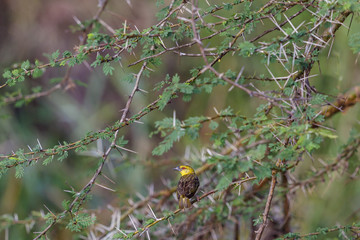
(254, 60)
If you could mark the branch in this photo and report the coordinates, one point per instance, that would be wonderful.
(147, 227)
(327, 34)
(82, 194)
(265, 214)
(355, 229)
(342, 103)
(65, 81)
(205, 167)
(34, 95)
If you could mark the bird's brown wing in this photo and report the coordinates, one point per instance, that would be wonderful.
(188, 185)
(193, 186)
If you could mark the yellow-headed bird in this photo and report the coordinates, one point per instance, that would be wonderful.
(187, 186)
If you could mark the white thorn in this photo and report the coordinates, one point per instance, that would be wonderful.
(102, 186)
(133, 223)
(39, 144)
(152, 212)
(174, 118)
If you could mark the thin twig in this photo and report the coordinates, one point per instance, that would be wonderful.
(265, 214)
(147, 227)
(81, 196)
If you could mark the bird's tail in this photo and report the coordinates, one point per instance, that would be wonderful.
(184, 202)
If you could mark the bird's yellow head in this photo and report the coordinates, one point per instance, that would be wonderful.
(184, 170)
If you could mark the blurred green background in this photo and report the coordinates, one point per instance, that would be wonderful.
(31, 28)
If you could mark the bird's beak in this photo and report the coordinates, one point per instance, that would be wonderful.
(177, 169)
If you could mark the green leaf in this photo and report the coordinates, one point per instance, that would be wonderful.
(20, 103)
(63, 156)
(121, 141)
(168, 142)
(71, 62)
(149, 221)
(7, 74)
(170, 91)
(66, 204)
(258, 153)
(223, 183)
(246, 49)
(36, 89)
(159, 3)
(108, 69)
(15, 72)
(79, 222)
(37, 73)
(228, 6)
(48, 160)
(82, 148)
(67, 54)
(287, 153)
(80, 83)
(25, 65)
(55, 55)
(213, 125)
(318, 99)
(49, 217)
(19, 171)
(186, 88)
(262, 172)
(246, 165)
(129, 78)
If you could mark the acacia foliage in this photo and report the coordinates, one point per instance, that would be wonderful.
(251, 166)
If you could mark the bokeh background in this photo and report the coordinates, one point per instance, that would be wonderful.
(34, 27)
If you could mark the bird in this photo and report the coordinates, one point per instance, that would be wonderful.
(187, 185)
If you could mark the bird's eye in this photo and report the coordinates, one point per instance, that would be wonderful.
(182, 168)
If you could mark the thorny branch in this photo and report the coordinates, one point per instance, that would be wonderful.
(66, 82)
(342, 103)
(82, 194)
(101, 9)
(355, 229)
(343, 157)
(327, 34)
(147, 227)
(265, 215)
(327, 111)
(210, 59)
